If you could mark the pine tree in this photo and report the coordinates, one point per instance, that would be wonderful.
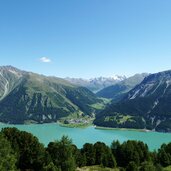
(132, 166)
(61, 153)
(8, 158)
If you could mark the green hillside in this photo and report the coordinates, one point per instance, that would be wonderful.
(118, 90)
(42, 99)
(147, 106)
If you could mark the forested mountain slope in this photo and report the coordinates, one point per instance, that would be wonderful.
(118, 90)
(29, 96)
(147, 106)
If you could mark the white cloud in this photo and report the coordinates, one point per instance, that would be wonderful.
(45, 60)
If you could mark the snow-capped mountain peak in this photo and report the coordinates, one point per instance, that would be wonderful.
(97, 83)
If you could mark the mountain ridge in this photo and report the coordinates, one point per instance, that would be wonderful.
(147, 106)
(31, 96)
(97, 83)
(118, 90)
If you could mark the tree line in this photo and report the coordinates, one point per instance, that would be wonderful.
(20, 150)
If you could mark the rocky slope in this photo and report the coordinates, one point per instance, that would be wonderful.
(147, 106)
(118, 90)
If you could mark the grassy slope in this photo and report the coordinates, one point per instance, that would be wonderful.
(38, 97)
(96, 168)
(167, 168)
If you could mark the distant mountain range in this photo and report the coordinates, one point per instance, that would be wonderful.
(119, 89)
(147, 106)
(26, 96)
(96, 84)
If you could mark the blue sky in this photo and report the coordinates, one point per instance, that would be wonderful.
(86, 38)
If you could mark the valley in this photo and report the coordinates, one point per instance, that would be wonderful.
(143, 104)
(85, 85)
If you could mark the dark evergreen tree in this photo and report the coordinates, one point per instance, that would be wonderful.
(147, 166)
(132, 166)
(164, 155)
(30, 152)
(61, 153)
(130, 151)
(8, 158)
(100, 153)
(111, 160)
(116, 151)
(50, 167)
(21, 150)
(79, 157)
(89, 152)
(158, 167)
(164, 158)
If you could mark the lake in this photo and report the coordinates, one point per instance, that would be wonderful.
(52, 131)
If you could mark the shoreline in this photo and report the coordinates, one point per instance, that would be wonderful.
(102, 128)
(85, 126)
(123, 129)
(74, 125)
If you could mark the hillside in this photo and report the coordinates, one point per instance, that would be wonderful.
(118, 90)
(147, 106)
(27, 96)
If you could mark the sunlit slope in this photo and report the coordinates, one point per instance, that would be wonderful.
(42, 99)
(147, 106)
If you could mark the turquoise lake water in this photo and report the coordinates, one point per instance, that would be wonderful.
(79, 136)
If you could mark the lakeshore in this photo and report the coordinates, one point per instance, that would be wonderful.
(80, 125)
(90, 134)
(123, 129)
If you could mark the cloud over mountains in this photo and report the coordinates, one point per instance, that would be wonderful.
(45, 60)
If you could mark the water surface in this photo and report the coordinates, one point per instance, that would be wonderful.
(50, 132)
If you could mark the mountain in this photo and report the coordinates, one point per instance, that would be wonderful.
(10, 77)
(147, 106)
(118, 90)
(26, 96)
(96, 84)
